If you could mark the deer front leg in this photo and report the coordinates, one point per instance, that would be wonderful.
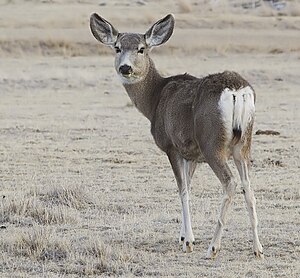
(182, 230)
(182, 170)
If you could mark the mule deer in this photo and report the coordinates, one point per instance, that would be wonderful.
(192, 119)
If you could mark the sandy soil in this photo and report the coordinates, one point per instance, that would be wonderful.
(84, 189)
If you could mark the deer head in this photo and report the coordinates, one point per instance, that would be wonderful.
(132, 59)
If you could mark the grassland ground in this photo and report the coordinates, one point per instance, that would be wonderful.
(84, 189)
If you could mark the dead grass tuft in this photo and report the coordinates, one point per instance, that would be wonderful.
(38, 243)
(84, 255)
(276, 51)
(57, 206)
(73, 197)
(97, 258)
(26, 210)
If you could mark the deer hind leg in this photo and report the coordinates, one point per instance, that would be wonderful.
(222, 171)
(241, 158)
(183, 171)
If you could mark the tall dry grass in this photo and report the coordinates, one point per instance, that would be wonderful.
(74, 197)
(46, 206)
(85, 256)
(39, 243)
(32, 224)
(26, 210)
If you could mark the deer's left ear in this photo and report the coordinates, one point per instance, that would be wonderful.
(160, 32)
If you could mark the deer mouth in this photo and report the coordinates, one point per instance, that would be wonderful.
(127, 75)
(129, 78)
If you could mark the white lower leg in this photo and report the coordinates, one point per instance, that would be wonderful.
(182, 230)
(251, 207)
(189, 236)
(215, 244)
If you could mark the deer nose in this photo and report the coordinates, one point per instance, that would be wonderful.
(125, 69)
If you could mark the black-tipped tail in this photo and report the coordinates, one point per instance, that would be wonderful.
(237, 135)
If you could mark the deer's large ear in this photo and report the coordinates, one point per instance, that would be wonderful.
(102, 30)
(161, 31)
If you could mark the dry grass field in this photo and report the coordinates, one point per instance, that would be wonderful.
(85, 191)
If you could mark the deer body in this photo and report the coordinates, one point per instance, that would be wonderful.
(192, 119)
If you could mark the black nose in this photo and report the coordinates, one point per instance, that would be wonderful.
(125, 69)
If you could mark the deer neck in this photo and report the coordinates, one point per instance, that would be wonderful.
(145, 93)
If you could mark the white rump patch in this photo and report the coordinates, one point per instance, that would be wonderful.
(237, 109)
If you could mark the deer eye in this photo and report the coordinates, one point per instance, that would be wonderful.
(117, 49)
(141, 50)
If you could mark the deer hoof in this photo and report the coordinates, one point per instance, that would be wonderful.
(212, 252)
(181, 241)
(188, 247)
(259, 254)
(258, 251)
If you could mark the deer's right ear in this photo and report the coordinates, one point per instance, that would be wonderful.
(102, 30)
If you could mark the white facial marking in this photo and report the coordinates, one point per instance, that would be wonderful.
(125, 59)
